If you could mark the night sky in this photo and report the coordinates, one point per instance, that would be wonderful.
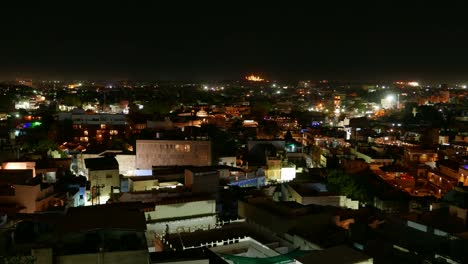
(285, 40)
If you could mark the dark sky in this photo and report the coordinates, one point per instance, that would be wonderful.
(227, 39)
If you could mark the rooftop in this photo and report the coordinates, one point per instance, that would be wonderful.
(226, 232)
(19, 177)
(105, 163)
(340, 255)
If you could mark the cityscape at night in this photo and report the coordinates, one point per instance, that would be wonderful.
(233, 133)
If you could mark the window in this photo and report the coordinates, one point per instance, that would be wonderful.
(182, 147)
(103, 126)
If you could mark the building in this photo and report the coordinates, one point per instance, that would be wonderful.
(279, 170)
(463, 175)
(306, 227)
(202, 179)
(236, 242)
(126, 161)
(104, 178)
(444, 177)
(198, 255)
(91, 234)
(420, 156)
(336, 255)
(20, 165)
(151, 153)
(20, 192)
(174, 214)
(310, 193)
(90, 126)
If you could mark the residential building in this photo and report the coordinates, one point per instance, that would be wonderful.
(20, 192)
(151, 153)
(104, 178)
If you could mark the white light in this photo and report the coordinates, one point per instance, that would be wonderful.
(390, 98)
(278, 92)
(463, 86)
(205, 87)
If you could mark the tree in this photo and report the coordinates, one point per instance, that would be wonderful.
(288, 137)
(348, 185)
(260, 109)
(222, 143)
(270, 128)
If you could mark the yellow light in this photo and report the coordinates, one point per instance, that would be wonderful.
(254, 78)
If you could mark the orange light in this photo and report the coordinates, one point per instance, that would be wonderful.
(254, 78)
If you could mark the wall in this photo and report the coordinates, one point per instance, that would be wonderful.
(143, 185)
(172, 152)
(449, 172)
(301, 243)
(229, 161)
(30, 197)
(332, 200)
(81, 167)
(183, 209)
(459, 212)
(250, 247)
(107, 177)
(463, 175)
(126, 164)
(273, 171)
(288, 173)
(202, 182)
(118, 257)
(182, 225)
(20, 165)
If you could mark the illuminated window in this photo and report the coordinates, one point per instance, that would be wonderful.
(103, 126)
(84, 139)
(85, 132)
(182, 147)
(113, 132)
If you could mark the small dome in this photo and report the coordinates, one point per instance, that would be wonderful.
(202, 113)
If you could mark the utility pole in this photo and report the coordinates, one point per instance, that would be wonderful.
(99, 187)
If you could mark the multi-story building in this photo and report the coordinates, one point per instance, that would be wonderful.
(420, 155)
(463, 175)
(94, 126)
(202, 179)
(103, 174)
(20, 192)
(151, 153)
